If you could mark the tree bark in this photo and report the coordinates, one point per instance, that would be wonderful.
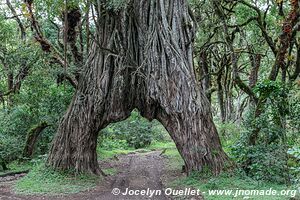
(221, 98)
(204, 74)
(141, 58)
(255, 65)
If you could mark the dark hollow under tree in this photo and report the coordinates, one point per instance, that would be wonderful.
(141, 58)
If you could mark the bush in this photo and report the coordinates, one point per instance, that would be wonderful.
(29, 109)
(267, 159)
(229, 134)
(9, 149)
(294, 163)
(136, 131)
(109, 144)
(267, 162)
(141, 138)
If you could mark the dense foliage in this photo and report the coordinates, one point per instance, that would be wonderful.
(136, 132)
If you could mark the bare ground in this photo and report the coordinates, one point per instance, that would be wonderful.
(137, 171)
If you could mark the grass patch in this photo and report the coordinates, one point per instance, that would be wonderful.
(17, 166)
(175, 161)
(226, 181)
(230, 181)
(105, 153)
(110, 171)
(41, 180)
(157, 145)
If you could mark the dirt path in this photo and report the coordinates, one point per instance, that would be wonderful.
(143, 172)
(138, 171)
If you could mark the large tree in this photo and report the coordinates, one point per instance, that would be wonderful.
(141, 57)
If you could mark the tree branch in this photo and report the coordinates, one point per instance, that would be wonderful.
(16, 17)
(45, 44)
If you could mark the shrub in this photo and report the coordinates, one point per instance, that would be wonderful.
(294, 163)
(109, 144)
(9, 149)
(137, 131)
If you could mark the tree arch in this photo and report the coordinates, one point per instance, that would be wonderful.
(141, 58)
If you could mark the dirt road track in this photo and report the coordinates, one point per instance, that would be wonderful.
(138, 171)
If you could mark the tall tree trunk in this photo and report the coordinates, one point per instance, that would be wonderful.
(204, 74)
(142, 58)
(255, 65)
(221, 97)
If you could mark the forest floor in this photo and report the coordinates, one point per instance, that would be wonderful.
(136, 170)
(157, 167)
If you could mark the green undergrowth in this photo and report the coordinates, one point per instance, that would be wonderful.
(168, 145)
(232, 181)
(175, 162)
(110, 171)
(42, 180)
(17, 166)
(104, 154)
(227, 181)
(107, 153)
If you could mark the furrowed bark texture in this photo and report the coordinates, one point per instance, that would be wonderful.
(142, 58)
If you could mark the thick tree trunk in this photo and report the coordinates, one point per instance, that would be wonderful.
(142, 58)
(204, 75)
